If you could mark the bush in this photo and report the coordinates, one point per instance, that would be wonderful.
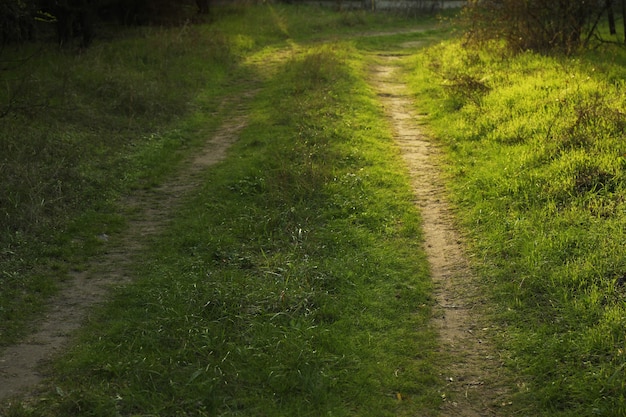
(534, 24)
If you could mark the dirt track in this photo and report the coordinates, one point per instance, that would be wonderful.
(473, 375)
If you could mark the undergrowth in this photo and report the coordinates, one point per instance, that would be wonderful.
(537, 167)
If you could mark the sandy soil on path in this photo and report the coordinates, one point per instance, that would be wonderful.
(476, 384)
(22, 365)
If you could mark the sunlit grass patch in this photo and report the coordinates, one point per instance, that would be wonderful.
(536, 165)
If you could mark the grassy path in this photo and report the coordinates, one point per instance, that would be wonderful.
(316, 270)
(289, 282)
(293, 279)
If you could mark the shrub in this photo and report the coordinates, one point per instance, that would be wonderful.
(534, 24)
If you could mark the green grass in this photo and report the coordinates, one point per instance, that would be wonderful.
(536, 165)
(82, 129)
(293, 282)
(90, 128)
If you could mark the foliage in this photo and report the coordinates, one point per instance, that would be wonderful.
(27, 20)
(153, 12)
(536, 164)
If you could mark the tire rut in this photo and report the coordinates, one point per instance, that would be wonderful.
(22, 366)
(476, 384)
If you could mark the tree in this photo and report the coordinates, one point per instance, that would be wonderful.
(78, 18)
(73, 18)
(624, 17)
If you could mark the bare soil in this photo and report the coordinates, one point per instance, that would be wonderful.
(476, 383)
(22, 366)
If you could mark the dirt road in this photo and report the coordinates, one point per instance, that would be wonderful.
(474, 378)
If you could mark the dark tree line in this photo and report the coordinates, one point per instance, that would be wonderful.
(22, 20)
(16, 20)
(540, 25)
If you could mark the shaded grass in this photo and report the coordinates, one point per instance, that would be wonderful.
(95, 126)
(293, 283)
(535, 151)
(83, 128)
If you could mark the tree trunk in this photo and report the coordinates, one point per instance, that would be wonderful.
(624, 18)
(611, 16)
